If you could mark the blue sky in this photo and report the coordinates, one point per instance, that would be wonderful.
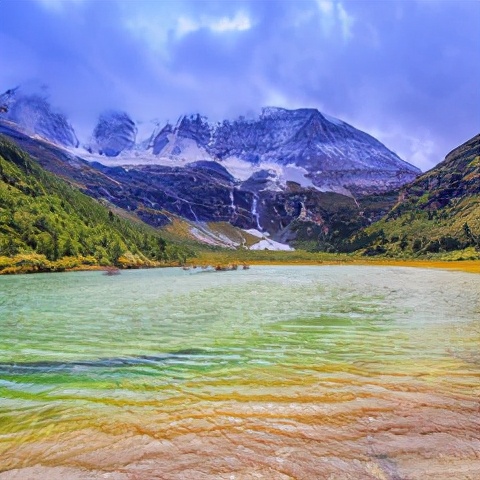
(405, 71)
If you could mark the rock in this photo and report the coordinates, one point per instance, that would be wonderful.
(114, 133)
(34, 115)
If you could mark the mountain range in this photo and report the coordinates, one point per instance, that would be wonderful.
(301, 145)
(298, 177)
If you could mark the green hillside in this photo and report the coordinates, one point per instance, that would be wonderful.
(437, 215)
(47, 224)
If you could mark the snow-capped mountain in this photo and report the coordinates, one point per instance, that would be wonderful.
(114, 133)
(318, 150)
(296, 175)
(33, 114)
(303, 146)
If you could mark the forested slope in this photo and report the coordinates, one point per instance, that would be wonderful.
(47, 224)
(438, 213)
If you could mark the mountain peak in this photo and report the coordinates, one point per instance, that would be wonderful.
(114, 133)
(334, 155)
(34, 115)
(269, 112)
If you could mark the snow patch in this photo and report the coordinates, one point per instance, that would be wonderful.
(240, 169)
(128, 158)
(296, 174)
(279, 174)
(205, 235)
(190, 151)
(267, 244)
(257, 233)
(333, 120)
(147, 130)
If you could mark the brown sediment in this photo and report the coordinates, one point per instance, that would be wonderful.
(299, 258)
(370, 426)
(223, 264)
(389, 435)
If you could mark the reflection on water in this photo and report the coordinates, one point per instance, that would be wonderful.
(275, 373)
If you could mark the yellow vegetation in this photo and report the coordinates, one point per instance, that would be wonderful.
(298, 257)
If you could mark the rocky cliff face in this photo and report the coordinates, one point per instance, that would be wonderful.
(114, 133)
(457, 177)
(34, 115)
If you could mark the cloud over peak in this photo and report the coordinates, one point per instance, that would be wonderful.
(406, 72)
(237, 23)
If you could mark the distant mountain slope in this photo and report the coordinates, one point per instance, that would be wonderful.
(298, 176)
(457, 177)
(46, 223)
(439, 211)
(303, 145)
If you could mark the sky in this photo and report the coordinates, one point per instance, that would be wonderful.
(405, 71)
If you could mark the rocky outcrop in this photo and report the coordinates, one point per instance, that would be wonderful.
(33, 114)
(114, 133)
(437, 213)
(456, 178)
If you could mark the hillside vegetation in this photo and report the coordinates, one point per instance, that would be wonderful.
(47, 224)
(437, 214)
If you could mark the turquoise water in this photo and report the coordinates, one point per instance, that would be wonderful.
(272, 372)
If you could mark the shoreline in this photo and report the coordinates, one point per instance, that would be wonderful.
(469, 266)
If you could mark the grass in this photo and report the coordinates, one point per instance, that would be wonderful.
(299, 257)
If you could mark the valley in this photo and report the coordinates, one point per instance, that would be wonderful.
(287, 180)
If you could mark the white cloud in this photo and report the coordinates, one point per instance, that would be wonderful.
(326, 6)
(274, 98)
(422, 151)
(155, 28)
(239, 22)
(419, 148)
(58, 5)
(334, 17)
(186, 25)
(149, 30)
(327, 16)
(346, 22)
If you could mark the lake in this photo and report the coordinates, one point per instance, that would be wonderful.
(326, 372)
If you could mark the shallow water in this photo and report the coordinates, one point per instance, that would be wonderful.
(332, 372)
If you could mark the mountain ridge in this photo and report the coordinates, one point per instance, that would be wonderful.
(335, 155)
(328, 153)
(298, 176)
